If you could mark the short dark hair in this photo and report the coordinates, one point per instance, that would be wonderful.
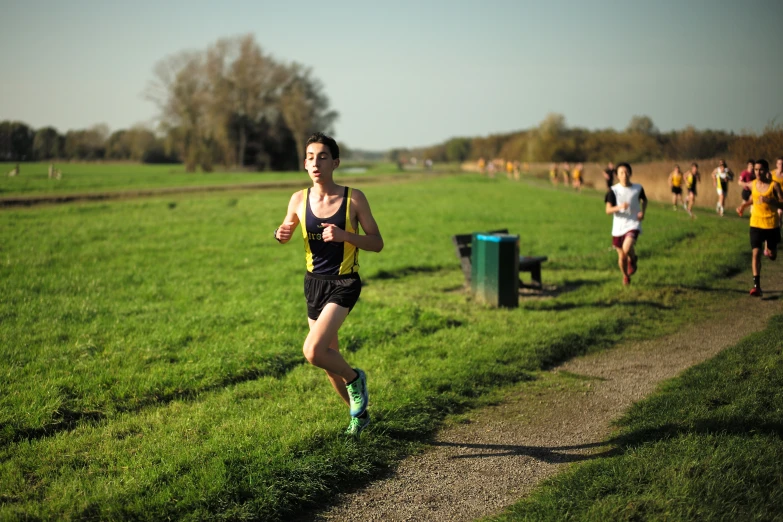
(763, 163)
(320, 137)
(751, 161)
(626, 165)
(694, 164)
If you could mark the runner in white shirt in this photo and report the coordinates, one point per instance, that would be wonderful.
(628, 203)
(720, 178)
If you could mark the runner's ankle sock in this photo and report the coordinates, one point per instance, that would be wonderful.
(757, 281)
(354, 379)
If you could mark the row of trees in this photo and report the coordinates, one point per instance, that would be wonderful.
(20, 142)
(553, 140)
(230, 104)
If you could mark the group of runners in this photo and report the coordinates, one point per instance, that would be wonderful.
(332, 215)
(761, 191)
(573, 177)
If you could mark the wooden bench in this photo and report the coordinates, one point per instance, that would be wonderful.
(463, 248)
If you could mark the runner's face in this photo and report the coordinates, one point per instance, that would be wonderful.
(779, 165)
(319, 163)
(623, 176)
(760, 171)
(750, 167)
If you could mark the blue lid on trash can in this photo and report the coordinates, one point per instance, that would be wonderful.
(497, 238)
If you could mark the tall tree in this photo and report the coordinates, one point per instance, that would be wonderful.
(305, 107)
(46, 144)
(180, 89)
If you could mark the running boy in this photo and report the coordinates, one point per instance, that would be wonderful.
(766, 198)
(720, 178)
(777, 176)
(745, 177)
(691, 180)
(576, 175)
(330, 215)
(628, 203)
(675, 183)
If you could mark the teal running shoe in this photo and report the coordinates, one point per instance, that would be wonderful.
(357, 394)
(357, 425)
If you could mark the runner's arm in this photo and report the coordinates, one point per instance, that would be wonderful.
(286, 229)
(611, 203)
(643, 203)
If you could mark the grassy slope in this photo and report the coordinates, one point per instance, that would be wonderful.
(707, 446)
(151, 349)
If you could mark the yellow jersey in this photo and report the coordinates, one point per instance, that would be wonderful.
(777, 177)
(577, 174)
(762, 215)
(676, 179)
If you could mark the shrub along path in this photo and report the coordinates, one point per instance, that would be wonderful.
(494, 456)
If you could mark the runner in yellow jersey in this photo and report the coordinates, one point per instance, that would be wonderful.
(330, 216)
(766, 198)
(675, 183)
(553, 173)
(565, 170)
(576, 175)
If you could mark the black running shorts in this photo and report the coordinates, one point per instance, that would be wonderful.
(319, 290)
(746, 194)
(758, 236)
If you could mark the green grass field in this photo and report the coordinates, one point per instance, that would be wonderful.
(707, 446)
(151, 349)
(111, 177)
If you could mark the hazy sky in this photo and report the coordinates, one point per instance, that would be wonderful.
(411, 73)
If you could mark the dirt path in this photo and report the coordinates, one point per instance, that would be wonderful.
(478, 468)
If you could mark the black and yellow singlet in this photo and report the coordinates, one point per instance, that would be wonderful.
(331, 258)
(677, 179)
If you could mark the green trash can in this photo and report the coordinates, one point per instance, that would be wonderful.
(495, 269)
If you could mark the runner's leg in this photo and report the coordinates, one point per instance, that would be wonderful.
(317, 346)
(338, 383)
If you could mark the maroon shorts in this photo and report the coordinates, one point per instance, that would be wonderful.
(617, 241)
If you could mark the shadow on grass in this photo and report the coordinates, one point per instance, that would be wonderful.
(277, 365)
(558, 307)
(406, 271)
(556, 290)
(551, 455)
(701, 288)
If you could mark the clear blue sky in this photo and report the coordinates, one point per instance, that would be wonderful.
(412, 73)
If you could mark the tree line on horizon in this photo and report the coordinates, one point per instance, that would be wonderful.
(641, 141)
(230, 104)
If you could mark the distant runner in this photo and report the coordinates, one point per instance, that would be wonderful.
(692, 179)
(675, 183)
(609, 175)
(745, 177)
(777, 176)
(721, 177)
(576, 175)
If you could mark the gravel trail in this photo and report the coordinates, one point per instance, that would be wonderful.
(478, 468)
